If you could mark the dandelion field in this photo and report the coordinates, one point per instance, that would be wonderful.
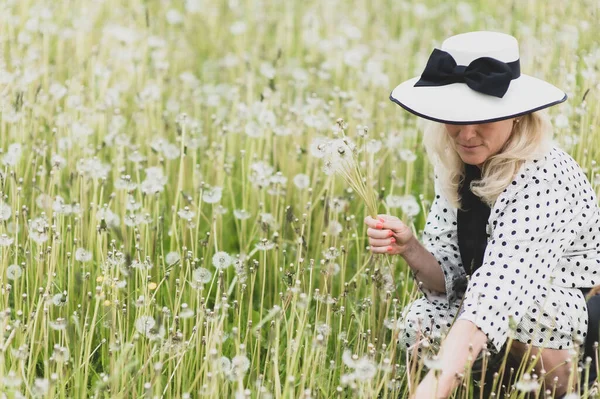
(170, 226)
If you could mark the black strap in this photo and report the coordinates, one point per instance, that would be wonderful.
(471, 223)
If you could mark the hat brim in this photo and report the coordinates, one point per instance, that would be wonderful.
(458, 104)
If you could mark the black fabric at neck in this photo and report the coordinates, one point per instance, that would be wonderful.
(471, 222)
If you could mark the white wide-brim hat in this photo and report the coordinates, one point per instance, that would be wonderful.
(475, 78)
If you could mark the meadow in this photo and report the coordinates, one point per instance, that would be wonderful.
(168, 224)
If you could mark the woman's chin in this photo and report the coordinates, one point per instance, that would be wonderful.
(472, 160)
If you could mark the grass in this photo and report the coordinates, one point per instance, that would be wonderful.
(167, 228)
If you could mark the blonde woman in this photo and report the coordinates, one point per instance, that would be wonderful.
(512, 240)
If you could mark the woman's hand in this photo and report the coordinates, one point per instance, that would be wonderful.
(388, 235)
(429, 388)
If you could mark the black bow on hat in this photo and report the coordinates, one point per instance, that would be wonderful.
(485, 75)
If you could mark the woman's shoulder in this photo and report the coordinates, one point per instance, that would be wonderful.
(557, 168)
(555, 173)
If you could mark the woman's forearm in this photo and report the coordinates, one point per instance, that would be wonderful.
(454, 355)
(426, 268)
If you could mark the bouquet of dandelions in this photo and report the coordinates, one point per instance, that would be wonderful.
(340, 156)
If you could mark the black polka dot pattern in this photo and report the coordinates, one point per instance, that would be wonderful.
(544, 243)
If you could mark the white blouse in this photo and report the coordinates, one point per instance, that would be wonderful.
(543, 230)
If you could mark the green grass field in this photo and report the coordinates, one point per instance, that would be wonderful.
(168, 227)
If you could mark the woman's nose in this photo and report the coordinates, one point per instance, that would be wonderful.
(466, 133)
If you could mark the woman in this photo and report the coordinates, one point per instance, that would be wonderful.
(514, 231)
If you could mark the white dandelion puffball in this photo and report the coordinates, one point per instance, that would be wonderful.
(83, 255)
(5, 211)
(174, 17)
(301, 181)
(59, 300)
(13, 272)
(241, 214)
(394, 201)
(238, 28)
(38, 230)
(410, 206)
(202, 275)
(335, 228)
(186, 213)
(172, 258)
(224, 364)
(5, 240)
(58, 324)
(212, 195)
(144, 324)
(240, 363)
(373, 146)
(407, 155)
(222, 260)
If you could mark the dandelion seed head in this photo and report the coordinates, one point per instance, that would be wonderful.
(222, 260)
(146, 264)
(240, 364)
(111, 218)
(527, 384)
(92, 168)
(186, 312)
(5, 211)
(39, 230)
(59, 300)
(144, 324)
(21, 353)
(172, 258)
(301, 181)
(5, 240)
(201, 275)
(174, 17)
(238, 28)
(364, 369)
(241, 214)
(407, 155)
(83, 255)
(186, 213)
(12, 380)
(13, 272)
(61, 354)
(335, 228)
(12, 155)
(212, 195)
(323, 329)
(41, 386)
(265, 245)
(224, 364)
(59, 324)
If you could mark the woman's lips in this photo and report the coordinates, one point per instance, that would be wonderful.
(468, 148)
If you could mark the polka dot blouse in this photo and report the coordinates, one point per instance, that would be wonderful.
(543, 230)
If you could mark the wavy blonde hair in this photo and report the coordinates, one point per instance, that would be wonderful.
(531, 138)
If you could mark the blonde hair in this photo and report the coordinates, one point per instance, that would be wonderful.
(530, 139)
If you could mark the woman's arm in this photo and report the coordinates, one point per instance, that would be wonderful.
(424, 265)
(390, 236)
(453, 357)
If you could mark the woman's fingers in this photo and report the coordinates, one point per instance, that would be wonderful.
(395, 225)
(387, 249)
(387, 234)
(385, 222)
(374, 242)
(374, 223)
(374, 233)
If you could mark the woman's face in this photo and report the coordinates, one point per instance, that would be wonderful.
(476, 143)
